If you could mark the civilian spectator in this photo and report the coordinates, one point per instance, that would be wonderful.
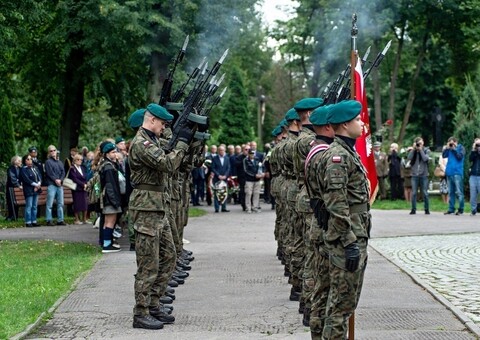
(253, 174)
(13, 181)
(78, 174)
(258, 155)
(419, 157)
(69, 160)
(55, 173)
(394, 161)
(406, 174)
(474, 180)
(455, 153)
(221, 170)
(32, 186)
(442, 162)
(241, 175)
(198, 184)
(33, 152)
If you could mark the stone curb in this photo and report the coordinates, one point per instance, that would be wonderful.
(440, 298)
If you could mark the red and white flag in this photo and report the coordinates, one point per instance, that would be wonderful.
(364, 142)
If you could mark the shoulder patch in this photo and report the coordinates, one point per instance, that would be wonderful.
(336, 159)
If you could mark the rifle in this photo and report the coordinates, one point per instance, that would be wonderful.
(378, 60)
(181, 91)
(165, 95)
(201, 91)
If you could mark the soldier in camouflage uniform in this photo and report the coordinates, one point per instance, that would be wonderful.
(345, 191)
(275, 188)
(155, 250)
(304, 108)
(316, 272)
(289, 195)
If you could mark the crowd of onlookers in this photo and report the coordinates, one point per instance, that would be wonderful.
(409, 176)
(232, 174)
(32, 176)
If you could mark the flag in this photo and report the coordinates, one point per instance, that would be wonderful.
(363, 144)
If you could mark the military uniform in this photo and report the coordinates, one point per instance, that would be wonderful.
(155, 249)
(344, 189)
(381, 165)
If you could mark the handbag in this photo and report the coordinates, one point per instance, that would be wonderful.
(68, 183)
(439, 172)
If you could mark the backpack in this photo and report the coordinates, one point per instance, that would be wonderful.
(94, 188)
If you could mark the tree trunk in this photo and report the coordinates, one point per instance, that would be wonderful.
(411, 95)
(158, 73)
(73, 103)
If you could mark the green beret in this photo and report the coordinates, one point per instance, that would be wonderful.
(308, 104)
(319, 115)
(136, 119)
(344, 111)
(159, 112)
(276, 131)
(283, 123)
(119, 140)
(107, 147)
(291, 115)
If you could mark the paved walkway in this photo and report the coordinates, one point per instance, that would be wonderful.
(236, 289)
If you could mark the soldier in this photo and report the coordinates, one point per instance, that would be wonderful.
(134, 121)
(289, 196)
(381, 165)
(302, 145)
(275, 173)
(316, 272)
(155, 250)
(344, 189)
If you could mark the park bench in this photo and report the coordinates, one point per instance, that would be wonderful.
(19, 199)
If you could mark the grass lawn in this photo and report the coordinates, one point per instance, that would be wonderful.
(196, 212)
(435, 203)
(34, 275)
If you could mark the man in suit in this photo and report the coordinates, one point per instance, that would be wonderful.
(221, 170)
(258, 155)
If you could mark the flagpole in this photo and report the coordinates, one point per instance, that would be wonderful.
(353, 64)
(353, 54)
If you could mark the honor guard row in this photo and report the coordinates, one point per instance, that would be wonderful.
(323, 219)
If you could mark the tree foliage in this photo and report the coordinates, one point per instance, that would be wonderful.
(6, 133)
(236, 127)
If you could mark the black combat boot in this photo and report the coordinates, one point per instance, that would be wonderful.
(301, 307)
(161, 316)
(166, 300)
(295, 294)
(306, 317)
(147, 322)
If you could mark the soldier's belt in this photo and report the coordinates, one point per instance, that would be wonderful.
(150, 187)
(359, 208)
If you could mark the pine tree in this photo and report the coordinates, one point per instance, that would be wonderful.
(7, 151)
(236, 120)
(467, 119)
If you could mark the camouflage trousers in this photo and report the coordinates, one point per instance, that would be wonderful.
(156, 258)
(296, 245)
(309, 265)
(344, 291)
(177, 221)
(320, 291)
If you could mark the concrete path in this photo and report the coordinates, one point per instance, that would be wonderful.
(236, 288)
